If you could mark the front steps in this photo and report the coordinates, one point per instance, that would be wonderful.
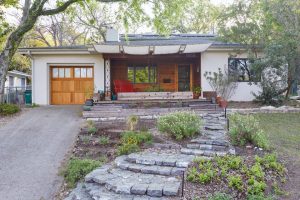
(154, 175)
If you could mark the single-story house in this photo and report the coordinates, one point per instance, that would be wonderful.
(62, 75)
(16, 80)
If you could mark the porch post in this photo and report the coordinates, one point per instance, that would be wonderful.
(107, 79)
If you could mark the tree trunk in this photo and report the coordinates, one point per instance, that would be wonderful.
(3, 71)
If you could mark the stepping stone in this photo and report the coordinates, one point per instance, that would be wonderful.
(121, 181)
(163, 159)
(79, 193)
(207, 153)
(122, 163)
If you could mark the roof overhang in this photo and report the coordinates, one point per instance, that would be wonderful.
(152, 50)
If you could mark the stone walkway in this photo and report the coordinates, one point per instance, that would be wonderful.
(153, 175)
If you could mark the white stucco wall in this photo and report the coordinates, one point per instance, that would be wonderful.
(41, 66)
(211, 61)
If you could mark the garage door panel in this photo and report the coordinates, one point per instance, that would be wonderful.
(66, 88)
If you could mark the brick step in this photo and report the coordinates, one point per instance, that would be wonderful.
(160, 159)
(123, 182)
(122, 163)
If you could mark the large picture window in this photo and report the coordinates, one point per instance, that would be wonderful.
(142, 74)
(241, 69)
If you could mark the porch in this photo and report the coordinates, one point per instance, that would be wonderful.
(155, 77)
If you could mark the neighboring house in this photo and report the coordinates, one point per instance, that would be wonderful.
(61, 75)
(16, 80)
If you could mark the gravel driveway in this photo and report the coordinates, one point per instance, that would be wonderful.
(32, 148)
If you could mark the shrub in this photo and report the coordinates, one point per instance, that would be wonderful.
(245, 129)
(131, 141)
(220, 196)
(92, 130)
(8, 109)
(78, 169)
(103, 140)
(180, 124)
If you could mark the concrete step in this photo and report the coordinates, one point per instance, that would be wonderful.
(201, 141)
(126, 182)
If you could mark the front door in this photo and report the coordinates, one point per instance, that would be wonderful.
(183, 77)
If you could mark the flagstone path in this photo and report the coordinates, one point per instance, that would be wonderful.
(154, 175)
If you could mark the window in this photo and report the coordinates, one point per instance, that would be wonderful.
(11, 81)
(142, 74)
(241, 69)
(23, 81)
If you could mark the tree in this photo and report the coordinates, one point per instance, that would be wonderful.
(271, 27)
(164, 13)
(200, 17)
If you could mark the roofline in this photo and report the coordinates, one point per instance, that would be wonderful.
(18, 73)
(91, 50)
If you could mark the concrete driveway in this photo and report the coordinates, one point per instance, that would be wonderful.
(32, 148)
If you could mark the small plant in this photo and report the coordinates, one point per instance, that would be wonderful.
(131, 141)
(257, 188)
(92, 130)
(132, 122)
(103, 140)
(91, 127)
(197, 90)
(85, 139)
(236, 182)
(245, 129)
(220, 196)
(180, 124)
(77, 169)
(8, 109)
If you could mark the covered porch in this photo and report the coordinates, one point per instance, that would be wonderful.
(133, 77)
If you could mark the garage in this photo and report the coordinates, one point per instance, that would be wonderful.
(70, 84)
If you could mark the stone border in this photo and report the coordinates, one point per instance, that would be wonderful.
(264, 109)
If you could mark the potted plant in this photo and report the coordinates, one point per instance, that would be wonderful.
(196, 92)
(88, 93)
(224, 85)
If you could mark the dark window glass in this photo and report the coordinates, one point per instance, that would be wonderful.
(241, 69)
(141, 74)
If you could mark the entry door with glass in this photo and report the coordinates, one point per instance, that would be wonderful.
(184, 77)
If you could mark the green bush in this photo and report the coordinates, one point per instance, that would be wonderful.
(220, 196)
(8, 109)
(131, 141)
(92, 130)
(180, 124)
(77, 169)
(236, 182)
(245, 129)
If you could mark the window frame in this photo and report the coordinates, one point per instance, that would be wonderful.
(150, 70)
(252, 78)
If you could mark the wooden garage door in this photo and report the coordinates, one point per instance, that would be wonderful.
(70, 84)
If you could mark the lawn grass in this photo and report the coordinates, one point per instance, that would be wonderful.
(283, 131)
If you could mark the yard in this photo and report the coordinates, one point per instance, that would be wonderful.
(283, 130)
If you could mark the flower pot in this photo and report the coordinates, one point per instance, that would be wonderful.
(89, 102)
(218, 99)
(196, 95)
(223, 103)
